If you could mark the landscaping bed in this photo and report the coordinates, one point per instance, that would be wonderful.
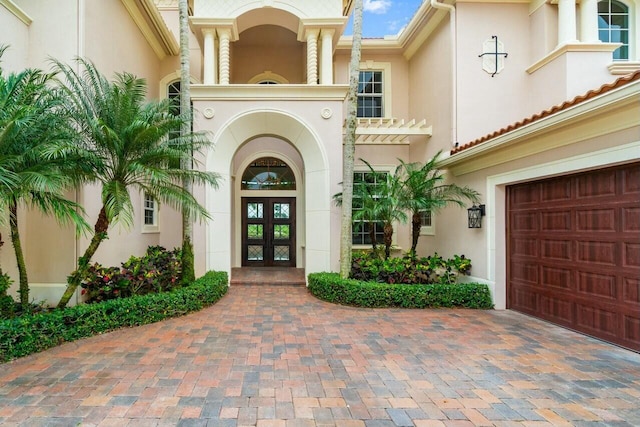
(36, 332)
(330, 287)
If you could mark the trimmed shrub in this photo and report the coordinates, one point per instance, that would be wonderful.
(32, 333)
(330, 287)
(408, 269)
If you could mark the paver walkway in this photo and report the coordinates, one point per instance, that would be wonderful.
(277, 357)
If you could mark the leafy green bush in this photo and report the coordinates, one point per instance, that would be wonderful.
(408, 269)
(7, 304)
(157, 271)
(330, 287)
(32, 333)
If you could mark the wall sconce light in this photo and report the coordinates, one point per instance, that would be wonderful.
(475, 216)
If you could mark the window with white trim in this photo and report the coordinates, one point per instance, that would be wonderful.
(150, 213)
(370, 94)
(361, 229)
(426, 222)
(613, 26)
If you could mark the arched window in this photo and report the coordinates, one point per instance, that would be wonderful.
(613, 26)
(268, 173)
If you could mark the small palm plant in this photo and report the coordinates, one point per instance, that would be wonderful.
(32, 125)
(424, 189)
(128, 143)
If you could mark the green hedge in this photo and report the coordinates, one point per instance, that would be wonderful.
(32, 333)
(330, 287)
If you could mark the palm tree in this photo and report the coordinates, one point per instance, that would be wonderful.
(424, 190)
(365, 198)
(188, 267)
(31, 125)
(387, 203)
(127, 143)
(350, 143)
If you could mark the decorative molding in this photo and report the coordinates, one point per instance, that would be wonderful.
(623, 68)
(17, 11)
(326, 113)
(614, 111)
(208, 113)
(572, 47)
(260, 92)
(146, 16)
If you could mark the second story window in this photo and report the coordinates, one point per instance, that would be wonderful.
(370, 94)
(613, 26)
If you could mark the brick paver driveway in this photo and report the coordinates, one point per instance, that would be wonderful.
(276, 356)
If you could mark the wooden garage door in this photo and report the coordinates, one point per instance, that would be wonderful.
(574, 252)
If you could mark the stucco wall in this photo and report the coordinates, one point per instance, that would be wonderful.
(488, 103)
(430, 80)
(15, 36)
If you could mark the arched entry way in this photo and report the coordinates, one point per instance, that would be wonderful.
(268, 189)
(314, 246)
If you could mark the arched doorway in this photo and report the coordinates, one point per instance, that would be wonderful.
(313, 203)
(268, 214)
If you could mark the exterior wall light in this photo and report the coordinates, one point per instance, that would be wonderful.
(475, 216)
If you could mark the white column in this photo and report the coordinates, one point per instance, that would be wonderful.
(566, 22)
(589, 21)
(209, 57)
(312, 57)
(224, 36)
(326, 60)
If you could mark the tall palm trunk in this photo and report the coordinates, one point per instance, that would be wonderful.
(416, 224)
(350, 144)
(388, 239)
(188, 267)
(75, 279)
(23, 290)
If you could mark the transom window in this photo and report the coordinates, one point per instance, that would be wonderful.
(370, 94)
(268, 173)
(613, 26)
(361, 229)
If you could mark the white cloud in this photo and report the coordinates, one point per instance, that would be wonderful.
(377, 6)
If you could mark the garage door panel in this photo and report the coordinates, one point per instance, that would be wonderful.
(558, 191)
(631, 255)
(630, 219)
(597, 285)
(555, 277)
(574, 252)
(594, 185)
(631, 180)
(603, 253)
(631, 292)
(559, 250)
(556, 310)
(525, 273)
(555, 221)
(597, 320)
(596, 220)
(524, 247)
(526, 196)
(525, 221)
(525, 300)
(631, 332)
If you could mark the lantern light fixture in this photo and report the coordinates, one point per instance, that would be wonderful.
(475, 216)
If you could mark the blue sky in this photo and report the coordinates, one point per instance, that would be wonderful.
(385, 17)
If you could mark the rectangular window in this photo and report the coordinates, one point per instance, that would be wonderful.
(370, 94)
(426, 223)
(361, 229)
(150, 211)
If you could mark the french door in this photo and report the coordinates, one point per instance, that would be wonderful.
(268, 231)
